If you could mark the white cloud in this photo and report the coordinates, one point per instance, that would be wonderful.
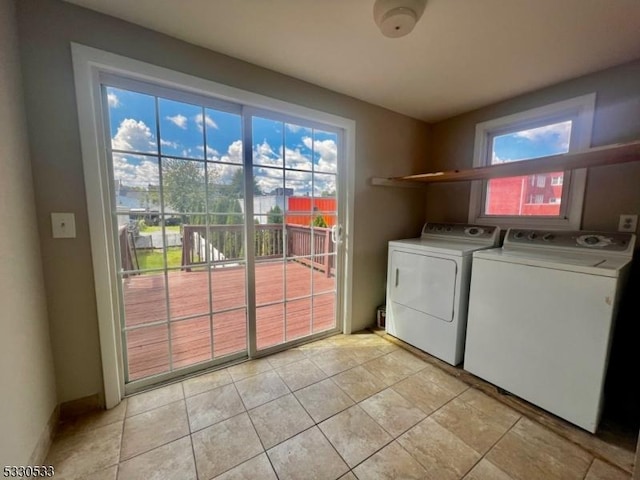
(178, 120)
(208, 120)
(558, 133)
(296, 159)
(263, 154)
(133, 135)
(114, 101)
(328, 151)
(167, 143)
(135, 171)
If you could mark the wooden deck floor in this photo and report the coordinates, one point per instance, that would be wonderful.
(280, 316)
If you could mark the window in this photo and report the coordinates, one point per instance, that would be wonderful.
(541, 200)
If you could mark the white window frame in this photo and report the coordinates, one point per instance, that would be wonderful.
(580, 110)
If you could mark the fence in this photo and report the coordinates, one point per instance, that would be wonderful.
(225, 243)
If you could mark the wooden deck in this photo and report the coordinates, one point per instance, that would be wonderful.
(145, 302)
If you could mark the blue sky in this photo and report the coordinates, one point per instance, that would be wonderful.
(532, 143)
(183, 129)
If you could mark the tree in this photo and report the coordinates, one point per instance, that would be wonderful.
(236, 187)
(274, 215)
(319, 222)
(183, 183)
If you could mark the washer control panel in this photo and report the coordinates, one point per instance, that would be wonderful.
(460, 231)
(610, 242)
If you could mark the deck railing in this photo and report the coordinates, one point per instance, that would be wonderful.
(225, 243)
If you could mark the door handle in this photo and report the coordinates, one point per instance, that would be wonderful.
(397, 276)
(336, 234)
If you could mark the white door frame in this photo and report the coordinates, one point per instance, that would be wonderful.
(88, 64)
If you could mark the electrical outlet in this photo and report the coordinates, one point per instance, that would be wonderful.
(628, 223)
(63, 225)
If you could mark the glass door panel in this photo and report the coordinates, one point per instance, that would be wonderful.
(295, 178)
(178, 184)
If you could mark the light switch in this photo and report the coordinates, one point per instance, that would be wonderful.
(63, 225)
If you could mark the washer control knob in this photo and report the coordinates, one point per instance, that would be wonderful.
(518, 234)
(591, 240)
(547, 237)
(532, 236)
(448, 229)
(474, 231)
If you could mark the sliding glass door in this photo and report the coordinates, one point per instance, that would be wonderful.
(220, 252)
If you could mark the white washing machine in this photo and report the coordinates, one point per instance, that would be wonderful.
(541, 315)
(428, 286)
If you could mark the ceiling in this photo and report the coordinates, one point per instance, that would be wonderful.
(463, 54)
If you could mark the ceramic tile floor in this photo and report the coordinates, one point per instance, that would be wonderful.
(347, 407)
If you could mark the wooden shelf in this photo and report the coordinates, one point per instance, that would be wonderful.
(599, 156)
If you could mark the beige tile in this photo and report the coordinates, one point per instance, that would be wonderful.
(173, 461)
(476, 429)
(281, 359)
(391, 463)
(261, 389)
(425, 395)
(530, 451)
(388, 347)
(443, 379)
(92, 420)
(442, 454)
(258, 468)
(334, 361)
(354, 435)
(365, 353)
(154, 428)
(307, 456)
(318, 346)
(485, 470)
(348, 476)
(359, 383)
(300, 374)
(213, 406)
(74, 456)
(248, 369)
(279, 420)
(392, 411)
(603, 471)
(225, 445)
(323, 399)
(208, 381)
(496, 410)
(146, 401)
(106, 474)
(395, 366)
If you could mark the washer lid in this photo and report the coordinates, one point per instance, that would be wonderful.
(440, 246)
(608, 266)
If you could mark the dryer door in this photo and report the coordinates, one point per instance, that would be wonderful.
(423, 283)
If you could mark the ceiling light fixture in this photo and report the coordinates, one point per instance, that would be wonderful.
(396, 18)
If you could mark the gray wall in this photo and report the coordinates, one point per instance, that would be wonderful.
(387, 144)
(26, 365)
(610, 190)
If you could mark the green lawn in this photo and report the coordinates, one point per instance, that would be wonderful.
(158, 228)
(153, 258)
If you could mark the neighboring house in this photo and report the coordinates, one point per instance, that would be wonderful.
(532, 195)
